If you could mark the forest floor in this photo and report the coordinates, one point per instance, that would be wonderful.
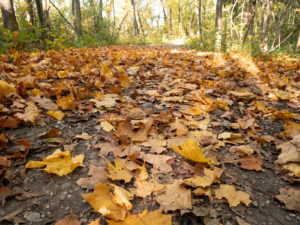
(127, 109)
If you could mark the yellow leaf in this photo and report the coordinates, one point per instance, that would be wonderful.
(98, 95)
(102, 200)
(145, 218)
(106, 126)
(59, 115)
(283, 114)
(68, 220)
(119, 171)
(122, 197)
(59, 163)
(294, 168)
(36, 92)
(191, 151)
(66, 103)
(124, 81)
(233, 197)
(175, 197)
(146, 188)
(210, 177)
(292, 129)
(6, 88)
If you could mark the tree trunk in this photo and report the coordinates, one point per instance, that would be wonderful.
(266, 22)
(171, 20)
(199, 22)
(9, 16)
(76, 13)
(140, 21)
(46, 13)
(249, 27)
(179, 17)
(30, 13)
(218, 25)
(298, 44)
(39, 9)
(101, 10)
(164, 11)
(135, 24)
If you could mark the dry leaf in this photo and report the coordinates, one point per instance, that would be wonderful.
(30, 114)
(66, 103)
(145, 218)
(233, 197)
(191, 151)
(178, 127)
(59, 163)
(106, 126)
(119, 171)
(251, 163)
(290, 151)
(6, 88)
(59, 115)
(243, 150)
(84, 136)
(294, 168)
(146, 188)
(102, 200)
(97, 175)
(70, 219)
(290, 197)
(175, 197)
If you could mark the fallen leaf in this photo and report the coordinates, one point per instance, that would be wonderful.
(108, 147)
(292, 129)
(44, 103)
(66, 103)
(6, 88)
(146, 188)
(243, 150)
(290, 151)
(30, 114)
(70, 219)
(191, 151)
(290, 197)
(119, 171)
(294, 168)
(158, 161)
(97, 175)
(3, 141)
(231, 138)
(106, 126)
(102, 200)
(53, 132)
(175, 197)
(124, 80)
(59, 163)
(145, 218)
(240, 221)
(282, 115)
(122, 197)
(203, 191)
(233, 197)
(9, 122)
(59, 115)
(251, 163)
(84, 136)
(178, 127)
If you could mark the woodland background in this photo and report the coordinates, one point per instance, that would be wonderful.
(257, 26)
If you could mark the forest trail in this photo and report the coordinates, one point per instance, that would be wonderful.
(194, 137)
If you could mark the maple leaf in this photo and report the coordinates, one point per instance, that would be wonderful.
(179, 128)
(102, 200)
(290, 197)
(233, 197)
(97, 175)
(66, 103)
(9, 122)
(175, 197)
(154, 218)
(146, 188)
(290, 151)
(122, 197)
(6, 88)
(251, 163)
(70, 219)
(283, 115)
(243, 150)
(59, 163)
(124, 80)
(119, 171)
(59, 115)
(294, 168)
(30, 114)
(192, 151)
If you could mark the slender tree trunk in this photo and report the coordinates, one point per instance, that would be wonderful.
(114, 13)
(179, 17)
(218, 25)
(232, 26)
(39, 9)
(30, 13)
(164, 11)
(8, 14)
(199, 22)
(171, 20)
(46, 14)
(242, 20)
(135, 24)
(101, 11)
(140, 22)
(250, 21)
(76, 13)
(298, 44)
(265, 30)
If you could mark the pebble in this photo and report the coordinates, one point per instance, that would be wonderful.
(62, 196)
(83, 220)
(33, 217)
(288, 218)
(255, 203)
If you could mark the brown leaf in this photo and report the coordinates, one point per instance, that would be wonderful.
(290, 151)
(251, 163)
(70, 219)
(97, 175)
(290, 197)
(9, 122)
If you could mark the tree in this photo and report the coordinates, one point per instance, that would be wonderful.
(46, 14)
(30, 13)
(9, 16)
(39, 9)
(76, 13)
(218, 25)
(265, 28)
(199, 22)
(135, 24)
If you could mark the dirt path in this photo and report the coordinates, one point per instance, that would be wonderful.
(231, 105)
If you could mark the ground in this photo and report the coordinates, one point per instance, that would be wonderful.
(233, 99)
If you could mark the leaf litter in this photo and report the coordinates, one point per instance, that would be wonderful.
(176, 131)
